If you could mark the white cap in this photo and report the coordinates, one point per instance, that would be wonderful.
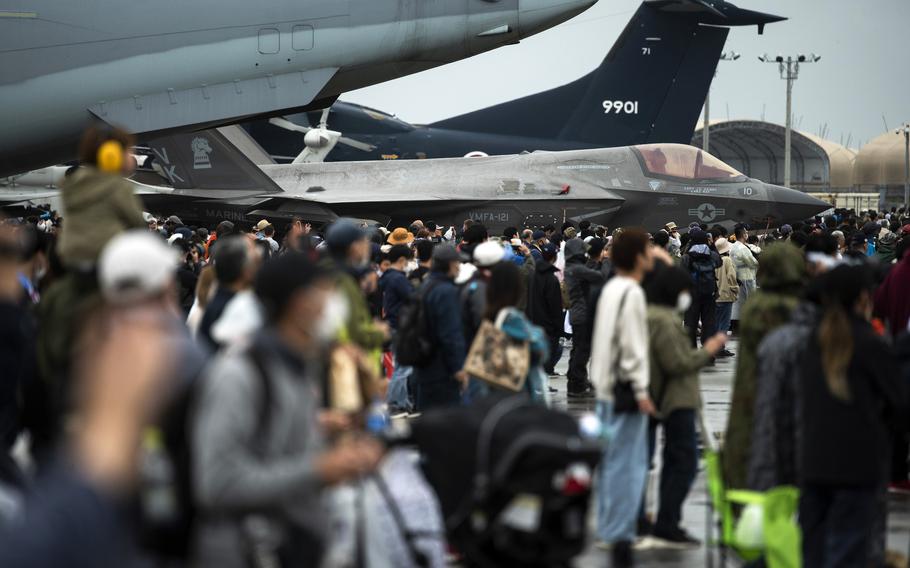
(135, 265)
(488, 254)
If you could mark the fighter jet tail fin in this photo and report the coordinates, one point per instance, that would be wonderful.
(650, 87)
(216, 159)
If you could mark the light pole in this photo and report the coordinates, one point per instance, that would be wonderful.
(705, 135)
(905, 130)
(789, 71)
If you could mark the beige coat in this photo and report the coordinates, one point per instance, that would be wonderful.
(727, 287)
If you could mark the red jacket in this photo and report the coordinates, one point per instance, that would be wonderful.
(892, 299)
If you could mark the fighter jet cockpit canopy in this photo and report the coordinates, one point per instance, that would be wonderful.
(683, 162)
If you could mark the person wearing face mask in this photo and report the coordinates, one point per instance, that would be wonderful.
(259, 489)
(349, 251)
(439, 383)
(727, 289)
(746, 264)
(674, 388)
(236, 261)
(396, 290)
(675, 245)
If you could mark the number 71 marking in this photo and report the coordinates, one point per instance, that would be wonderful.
(646, 51)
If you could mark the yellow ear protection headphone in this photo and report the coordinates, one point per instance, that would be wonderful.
(110, 157)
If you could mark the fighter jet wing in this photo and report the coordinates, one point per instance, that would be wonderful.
(211, 104)
(13, 196)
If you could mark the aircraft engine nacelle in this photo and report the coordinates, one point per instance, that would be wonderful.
(317, 138)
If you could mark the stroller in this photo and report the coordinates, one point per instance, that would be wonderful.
(513, 480)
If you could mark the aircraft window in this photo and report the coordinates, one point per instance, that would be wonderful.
(685, 162)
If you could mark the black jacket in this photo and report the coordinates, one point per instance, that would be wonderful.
(545, 299)
(579, 280)
(444, 318)
(848, 443)
(396, 290)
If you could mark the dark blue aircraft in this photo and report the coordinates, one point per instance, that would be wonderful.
(649, 88)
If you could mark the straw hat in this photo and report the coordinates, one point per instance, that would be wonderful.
(400, 236)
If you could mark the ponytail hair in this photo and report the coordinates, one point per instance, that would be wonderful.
(839, 291)
(835, 341)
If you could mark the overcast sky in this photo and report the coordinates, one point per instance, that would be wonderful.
(864, 72)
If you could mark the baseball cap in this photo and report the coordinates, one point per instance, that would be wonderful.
(786, 229)
(858, 238)
(549, 249)
(446, 253)
(135, 265)
(488, 253)
(538, 234)
(670, 226)
(698, 237)
(343, 232)
(595, 246)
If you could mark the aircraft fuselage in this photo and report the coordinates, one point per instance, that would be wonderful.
(154, 67)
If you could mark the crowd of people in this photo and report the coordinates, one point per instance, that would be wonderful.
(261, 357)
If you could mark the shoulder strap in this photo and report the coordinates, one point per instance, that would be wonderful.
(257, 358)
(501, 318)
(417, 556)
(615, 340)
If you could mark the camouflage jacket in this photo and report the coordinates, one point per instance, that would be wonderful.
(781, 277)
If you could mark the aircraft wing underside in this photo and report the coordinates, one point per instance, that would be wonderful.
(208, 104)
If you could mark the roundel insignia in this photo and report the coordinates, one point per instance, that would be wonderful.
(706, 212)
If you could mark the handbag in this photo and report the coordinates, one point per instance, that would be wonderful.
(624, 401)
(497, 359)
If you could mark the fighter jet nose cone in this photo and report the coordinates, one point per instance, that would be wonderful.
(790, 205)
(535, 16)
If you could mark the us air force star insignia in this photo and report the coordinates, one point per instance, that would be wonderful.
(706, 212)
(655, 185)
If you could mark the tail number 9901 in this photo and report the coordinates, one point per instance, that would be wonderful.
(620, 107)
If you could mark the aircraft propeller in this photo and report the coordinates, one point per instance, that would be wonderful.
(319, 141)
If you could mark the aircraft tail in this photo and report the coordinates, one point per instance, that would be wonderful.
(650, 87)
(220, 159)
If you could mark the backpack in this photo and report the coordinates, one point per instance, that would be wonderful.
(702, 270)
(167, 532)
(470, 322)
(413, 345)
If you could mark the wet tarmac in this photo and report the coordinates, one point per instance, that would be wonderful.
(716, 387)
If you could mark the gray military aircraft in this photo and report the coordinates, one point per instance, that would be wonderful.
(647, 185)
(156, 67)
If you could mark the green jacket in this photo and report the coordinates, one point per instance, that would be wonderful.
(360, 329)
(97, 206)
(781, 278)
(675, 363)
